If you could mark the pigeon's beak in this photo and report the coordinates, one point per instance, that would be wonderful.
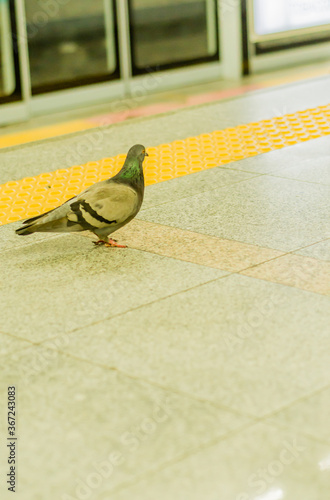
(146, 154)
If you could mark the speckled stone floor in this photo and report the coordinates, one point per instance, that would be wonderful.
(195, 363)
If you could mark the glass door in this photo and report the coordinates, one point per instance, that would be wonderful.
(172, 33)
(71, 43)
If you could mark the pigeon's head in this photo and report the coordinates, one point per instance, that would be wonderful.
(137, 151)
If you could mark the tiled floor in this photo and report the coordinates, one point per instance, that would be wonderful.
(195, 363)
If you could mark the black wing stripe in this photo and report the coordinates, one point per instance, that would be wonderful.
(83, 204)
(75, 207)
(95, 215)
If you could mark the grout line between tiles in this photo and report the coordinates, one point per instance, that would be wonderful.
(153, 383)
(228, 273)
(138, 307)
(46, 238)
(223, 186)
(310, 245)
(184, 456)
(296, 401)
(281, 425)
(254, 418)
(297, 180)
(241, 271)
(11, 335)
(286, 253)
(179, 392)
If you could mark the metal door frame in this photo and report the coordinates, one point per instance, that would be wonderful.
(19, 111)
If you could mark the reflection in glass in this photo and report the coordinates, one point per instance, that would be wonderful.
(70, 41)
(173, 32)
(284, 15)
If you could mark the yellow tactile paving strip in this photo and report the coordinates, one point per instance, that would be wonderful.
(34, 195)
(41, 133)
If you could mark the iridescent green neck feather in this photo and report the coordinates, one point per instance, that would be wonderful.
(131, 174)
(131, 170)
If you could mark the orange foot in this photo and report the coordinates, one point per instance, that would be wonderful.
(109, 243)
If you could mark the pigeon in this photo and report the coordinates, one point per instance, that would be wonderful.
(102, 208)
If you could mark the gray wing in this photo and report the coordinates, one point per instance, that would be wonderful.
(105, 205)
(99, 206)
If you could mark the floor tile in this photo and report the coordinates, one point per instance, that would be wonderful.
(283, 214)
(295, 270)
(9, 240)
(318, 251)
(188, 185)
(310, 416)
(199, 248)
(243, 343)
(260, 463)
(313, 170)
(65, 283)
(312, 154)
(9, 345)
(82, 427)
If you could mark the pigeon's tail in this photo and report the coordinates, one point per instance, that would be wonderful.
(55, 226)
(29, 225)
(25, 230)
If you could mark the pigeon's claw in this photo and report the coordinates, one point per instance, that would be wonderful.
(109, 243)
(100, 242)
(113, 243)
